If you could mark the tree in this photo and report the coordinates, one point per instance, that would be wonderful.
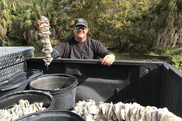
(28, 14)
(5, 21)
(112, 22)
(59, 18)
(168, 22)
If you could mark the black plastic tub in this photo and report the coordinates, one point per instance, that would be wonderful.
(52, 116)
(18, 82)
(61, 86)
(9, 100)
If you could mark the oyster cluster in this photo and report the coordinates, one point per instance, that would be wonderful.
(19, 110)
(47, 47)
(122, 112)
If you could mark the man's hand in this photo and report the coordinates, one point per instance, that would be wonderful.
(108, 60)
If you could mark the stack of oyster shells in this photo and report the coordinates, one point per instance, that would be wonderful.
(21, 109)
(45, 39)
(122, 112)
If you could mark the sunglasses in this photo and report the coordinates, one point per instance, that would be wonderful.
(79, 27)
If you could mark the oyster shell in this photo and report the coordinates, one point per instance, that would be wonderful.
(47, 47)
(21, 109)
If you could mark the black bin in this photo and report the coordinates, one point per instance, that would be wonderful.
(52, 115)
(9, 100)
(61, 86)
(19, 82)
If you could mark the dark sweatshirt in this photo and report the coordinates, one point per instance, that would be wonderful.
(89, 49)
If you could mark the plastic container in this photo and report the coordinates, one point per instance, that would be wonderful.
(7, 101)
(61, 86)
(52, 116)
(18, 82)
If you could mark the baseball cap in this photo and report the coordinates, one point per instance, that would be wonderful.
(81, 21)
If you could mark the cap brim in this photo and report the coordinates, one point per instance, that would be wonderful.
(81, 24)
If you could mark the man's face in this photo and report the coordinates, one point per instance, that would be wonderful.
(80, 31)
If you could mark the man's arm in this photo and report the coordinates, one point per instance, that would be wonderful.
(55, 54)
(107, 57)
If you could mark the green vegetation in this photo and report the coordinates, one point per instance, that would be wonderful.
(171, 55)
(132, 29)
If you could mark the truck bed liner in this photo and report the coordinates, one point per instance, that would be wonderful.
(147, 83)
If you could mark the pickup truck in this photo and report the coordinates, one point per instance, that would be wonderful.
(147, 83)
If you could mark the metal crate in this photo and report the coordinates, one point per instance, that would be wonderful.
(12, 60)
(10, 71)
(13, 55)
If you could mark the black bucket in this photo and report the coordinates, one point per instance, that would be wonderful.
(52, 116)
(19, 82)
(9, 100)
(61, 86)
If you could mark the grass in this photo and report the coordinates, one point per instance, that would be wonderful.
(171, 55)
(143, 57)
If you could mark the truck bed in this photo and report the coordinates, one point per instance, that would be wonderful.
(147, 83)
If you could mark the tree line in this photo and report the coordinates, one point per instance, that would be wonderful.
(121, 25)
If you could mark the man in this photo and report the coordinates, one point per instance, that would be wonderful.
(80, 46)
